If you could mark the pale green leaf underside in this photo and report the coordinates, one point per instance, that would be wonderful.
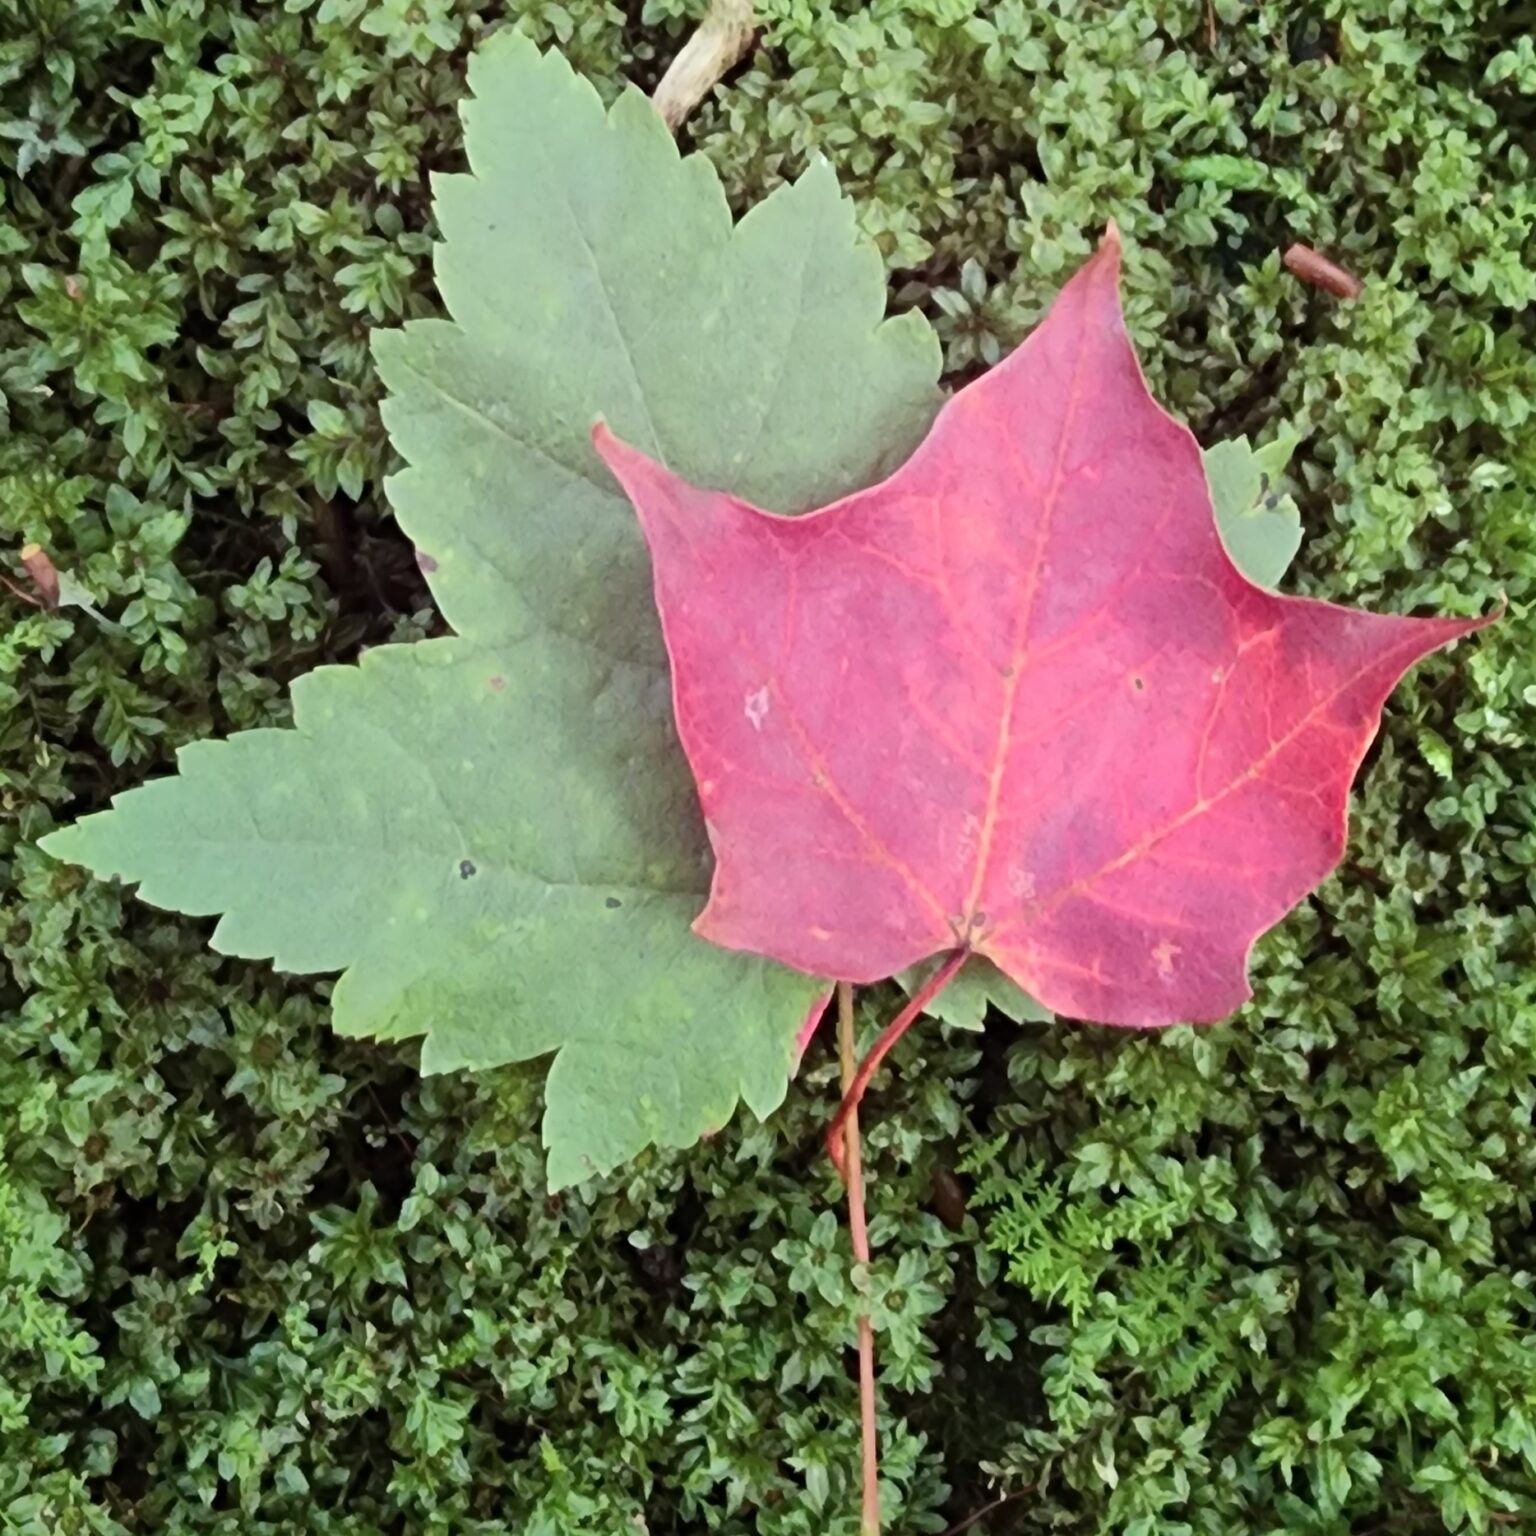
(1260, 527)
(412, 830)
(590, 272)
(978, 986)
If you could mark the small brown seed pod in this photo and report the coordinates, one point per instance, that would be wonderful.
(1310, 267)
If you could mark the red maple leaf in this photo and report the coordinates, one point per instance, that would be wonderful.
(1016, 700)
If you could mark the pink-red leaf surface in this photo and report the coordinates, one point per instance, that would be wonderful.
(1016, 699)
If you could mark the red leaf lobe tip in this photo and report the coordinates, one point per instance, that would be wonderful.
(1016, 698)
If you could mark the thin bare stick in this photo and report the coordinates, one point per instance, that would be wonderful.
(858, 1231)
(721, 39)
(985, 1510)
(16, 592)
(893, 1032)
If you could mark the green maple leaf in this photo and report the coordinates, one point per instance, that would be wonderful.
(495, 835)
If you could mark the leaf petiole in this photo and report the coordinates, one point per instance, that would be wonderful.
(858, 1232)
(843, 1145)
(892, 1032)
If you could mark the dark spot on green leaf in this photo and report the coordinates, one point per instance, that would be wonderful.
(426, 562)
(612, 903)
(498, 683)
(466, 868)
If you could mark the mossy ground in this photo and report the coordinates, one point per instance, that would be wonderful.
(1274, 1276)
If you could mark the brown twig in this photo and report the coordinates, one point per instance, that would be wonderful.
(720, 40)
(985, 1510)
(389, 1125)
(19, 593)
(1312, 267)
(858, 1231)
(1210, 25)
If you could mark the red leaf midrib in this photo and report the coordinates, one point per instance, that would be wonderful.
(969, 919)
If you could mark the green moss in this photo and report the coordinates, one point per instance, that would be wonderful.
(1268, 1277)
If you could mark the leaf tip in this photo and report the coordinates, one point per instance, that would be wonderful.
(1447, 631)
(56, 844)
(1099, 276)
(1108, 259)
(617, 455)
(635, 470)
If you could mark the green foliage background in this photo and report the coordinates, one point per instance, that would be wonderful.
(1274, 1276)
